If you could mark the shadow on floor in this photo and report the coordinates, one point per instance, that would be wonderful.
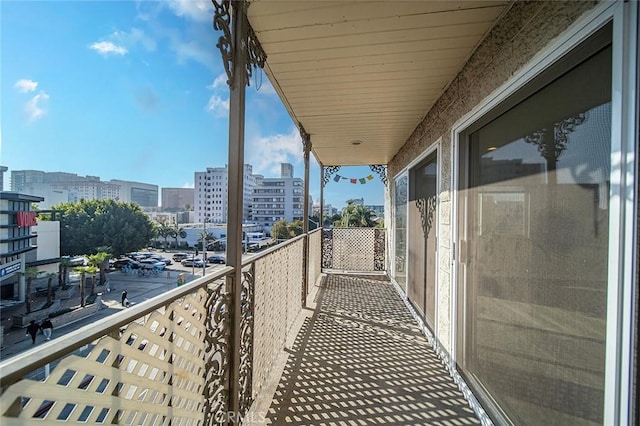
(361, 359)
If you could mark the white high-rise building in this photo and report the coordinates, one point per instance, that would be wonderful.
(210, 194)
(278, 198)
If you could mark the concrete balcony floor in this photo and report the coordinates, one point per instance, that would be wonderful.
(360, 359)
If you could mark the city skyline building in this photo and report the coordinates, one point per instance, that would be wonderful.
(57, 187)
(177, 199)
(280, 198)
(210, 194)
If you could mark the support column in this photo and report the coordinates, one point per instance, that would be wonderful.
(22, 282)
(235, 195)
(321, 195)
(306, 142)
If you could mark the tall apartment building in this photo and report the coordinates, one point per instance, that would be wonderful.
(69, 187)
(177, 199)
(210, 194)
(3, 169)
(278, 198)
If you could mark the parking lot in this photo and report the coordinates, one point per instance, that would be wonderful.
(177, 266)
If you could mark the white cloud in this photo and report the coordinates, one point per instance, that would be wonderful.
(266, 153)
(134, 37)
(198, 10)
(218, 106)
(220, 81)
(34, 108)
(192, 50)
(107, 47)
(25, 85)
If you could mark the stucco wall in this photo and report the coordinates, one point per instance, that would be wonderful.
(525, 29)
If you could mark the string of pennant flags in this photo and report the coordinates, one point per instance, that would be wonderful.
(362, 180)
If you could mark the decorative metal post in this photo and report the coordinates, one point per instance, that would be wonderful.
(235, 197)
(241, 52)
(306, 142)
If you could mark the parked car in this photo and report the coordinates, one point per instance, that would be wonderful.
(197, 262)
(75, 261)
(136, 256)
(178, 257)
(160, 259)
(124, 261)
(217, 258)
(152, 264)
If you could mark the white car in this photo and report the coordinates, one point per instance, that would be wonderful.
(160, 259)
(152, 264)
(197, 262)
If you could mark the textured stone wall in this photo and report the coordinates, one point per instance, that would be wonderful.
(525, 29)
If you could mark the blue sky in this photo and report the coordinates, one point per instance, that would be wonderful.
(135, 90)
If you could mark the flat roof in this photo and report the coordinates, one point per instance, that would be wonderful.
(11, 195)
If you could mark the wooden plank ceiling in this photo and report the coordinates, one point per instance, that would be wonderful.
(365, 71)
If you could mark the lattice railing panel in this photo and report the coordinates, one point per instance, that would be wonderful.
(152, 371)
(278, 285)
(354, 249)
(315, 256)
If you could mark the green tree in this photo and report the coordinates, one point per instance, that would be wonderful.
(63, 270)
(50, 278)
(165, 231)
(176, 231)
(82, 270)
(314, 222)
(101, 261)
(357, 215)
(93, 270)
(280, 231)
(295, 228)
(87, 225)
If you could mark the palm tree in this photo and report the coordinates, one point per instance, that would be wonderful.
(82, 270)
(204, 237)
(101, 261)
(92, 270)
(357, 215)
(30, 274)
(176, 231)
(362, 216)
(65, 263)
(165, 231)
(50, 288)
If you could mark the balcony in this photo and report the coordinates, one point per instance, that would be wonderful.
(351, 352)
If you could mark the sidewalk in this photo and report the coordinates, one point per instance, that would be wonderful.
(139, 289)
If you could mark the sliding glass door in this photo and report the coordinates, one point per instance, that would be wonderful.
(533, 244)
(423, 214)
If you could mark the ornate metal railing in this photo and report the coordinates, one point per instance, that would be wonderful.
(166, 360)
(354, 249)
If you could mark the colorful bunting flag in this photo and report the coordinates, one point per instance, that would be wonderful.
(362, 180)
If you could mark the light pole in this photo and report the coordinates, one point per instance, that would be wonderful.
(204, 246)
